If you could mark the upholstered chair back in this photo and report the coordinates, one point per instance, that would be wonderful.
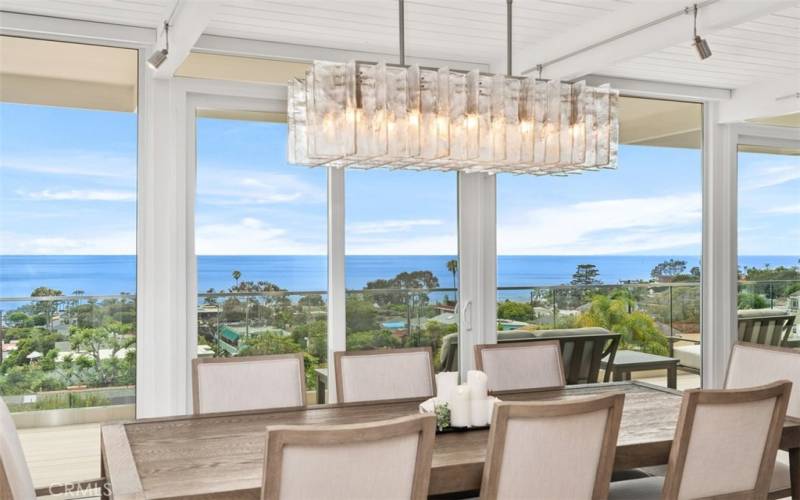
(248, 383)
(15, 478)
(521, 365)
(384, 374)
(725, 442)
(546, 450)
(389, 459)
(752, 365)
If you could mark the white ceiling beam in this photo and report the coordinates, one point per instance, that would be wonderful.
(662, 90)
(633, 42)
(73, 30)
(767, 98)
(187, 22)
(213, 44)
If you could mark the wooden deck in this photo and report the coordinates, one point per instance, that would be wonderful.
(62, 454)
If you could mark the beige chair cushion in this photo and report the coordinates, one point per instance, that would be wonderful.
(378, 469)
(523, 366)
(750, 366)
(725, 449)
(387, 375)
(555, 457)
(250, 385)
(12, 458)
(689, 355)
(637, 489)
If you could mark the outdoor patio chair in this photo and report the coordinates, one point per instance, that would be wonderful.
(386, 459)
(754, 365)
(248, 383)
(384, 374)
(756, 326)
(546, 450)
(521, 365)
(724, 446)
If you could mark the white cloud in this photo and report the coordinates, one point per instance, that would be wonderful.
(768, 176)
(251, 236)
(391, 226)
(441, 244)
(605, 227)
(114, 243)
(73, 164)
(788, 209)
(81, 195)
(224, 186)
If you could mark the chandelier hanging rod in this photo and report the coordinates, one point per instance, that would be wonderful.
(684, 11)
(453, 70)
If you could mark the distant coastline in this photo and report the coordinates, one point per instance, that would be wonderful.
(112, 274)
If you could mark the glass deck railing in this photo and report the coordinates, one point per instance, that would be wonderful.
(79, 351)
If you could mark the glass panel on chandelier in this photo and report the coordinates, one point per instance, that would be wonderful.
(369, 115)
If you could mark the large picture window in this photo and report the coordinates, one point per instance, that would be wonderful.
(68, 163)
(260, 239)
(616, 249)
(401, 267)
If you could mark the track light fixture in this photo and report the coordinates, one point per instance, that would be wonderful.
(700, 44)
(158, 57)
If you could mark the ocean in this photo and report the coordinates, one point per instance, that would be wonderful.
(112, 274)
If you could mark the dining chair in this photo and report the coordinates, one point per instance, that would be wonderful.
(384, 374)
(521, 365)
(15, 478)
(248, 383)
(724, 446)
(387, 459)
(546, 450)
(752, 364)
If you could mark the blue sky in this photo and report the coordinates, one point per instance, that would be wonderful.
(68, 186)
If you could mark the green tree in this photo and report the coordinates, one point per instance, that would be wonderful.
(747, 300)
(311, 300)
(359, 341)
(586, 274)
(517, 311)
(668, 270)
(46, 308)
(110, 354)
(361, 315)
(639, 331)
(452, 266)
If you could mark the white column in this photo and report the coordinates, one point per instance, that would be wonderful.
(336, 277)
(477, 265)
(719, 260)
(165, 250)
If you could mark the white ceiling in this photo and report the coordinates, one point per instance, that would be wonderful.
(470, 30)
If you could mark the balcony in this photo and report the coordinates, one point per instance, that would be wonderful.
(69, 361)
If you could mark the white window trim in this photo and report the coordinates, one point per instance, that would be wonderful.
(720, 232)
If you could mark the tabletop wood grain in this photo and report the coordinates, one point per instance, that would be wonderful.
(221, 456)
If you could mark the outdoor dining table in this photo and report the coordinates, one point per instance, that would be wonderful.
(222, 455)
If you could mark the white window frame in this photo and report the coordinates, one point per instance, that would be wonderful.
(721, 230)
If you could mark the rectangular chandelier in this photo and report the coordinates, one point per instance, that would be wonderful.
(368, 115)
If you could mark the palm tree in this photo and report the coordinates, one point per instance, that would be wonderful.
(452, 266)
(236, 276)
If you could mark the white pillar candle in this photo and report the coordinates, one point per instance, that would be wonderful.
(446, 383)
(460, 407)
(490, 409)
(478, 413)
(478, 385)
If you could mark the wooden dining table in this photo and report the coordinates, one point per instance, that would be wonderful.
(221, 456)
